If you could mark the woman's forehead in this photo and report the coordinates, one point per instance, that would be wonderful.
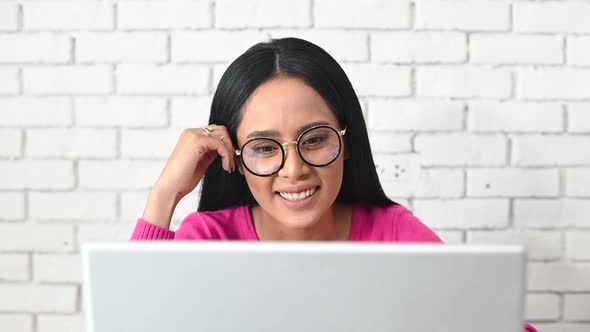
(285, 105)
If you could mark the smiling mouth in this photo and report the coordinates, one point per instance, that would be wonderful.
(294, 197)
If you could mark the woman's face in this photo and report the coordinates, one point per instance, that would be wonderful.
(282, 108)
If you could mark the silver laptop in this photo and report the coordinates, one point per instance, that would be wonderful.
(302, 287)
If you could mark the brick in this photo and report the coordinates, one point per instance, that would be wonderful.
(8, 19)
(9, 81)
(379, 80)
(450, 237)
(133, 204)
(30, 48)
(419, 47)
(565, 150)
(558, 276)
(576, 180)
(262, 13)
(463, 213)
(440, 183)
(563, 327)
(67, 15)
(344, 46)
(411, 115)
(38, 298)
(72, 206)
(36, 174)
(36, 237)
(106, 232)
(554, 83)
(511, 182)
(190, 112)
(157, 144)
(61, 323)
(162, 80)
(567, 17)
(463, 82)
(579, 118)
(490, 116)
(538, 244)
(212, 46)
(57, 268)
(68, 80)
(71, 143)
(578, 50)
(461, 149)
(15, 267)
(398, 174)
(515, 49)
(542, 213)
(16, 322)
(126, 112)
(13, 206)
(390, 142)
(578, 245)
(218, 71)
(32, 112)
(542, 307)
(11, 143)
(121, 47)
(150, 15)
(124, 175)
(576, 307)
(366, 14)
(462, 15)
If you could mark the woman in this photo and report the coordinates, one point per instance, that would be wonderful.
(294, 159)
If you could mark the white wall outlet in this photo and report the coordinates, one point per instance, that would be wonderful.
(399, 173)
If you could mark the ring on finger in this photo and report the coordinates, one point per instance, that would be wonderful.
(207, 130)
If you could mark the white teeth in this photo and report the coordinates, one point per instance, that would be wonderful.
(297, 196)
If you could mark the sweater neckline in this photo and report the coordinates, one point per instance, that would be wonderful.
(250, 230)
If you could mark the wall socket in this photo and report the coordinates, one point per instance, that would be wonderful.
(399, 173)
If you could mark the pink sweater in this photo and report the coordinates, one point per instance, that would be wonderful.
(373, 224)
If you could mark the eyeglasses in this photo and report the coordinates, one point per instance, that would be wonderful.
(318, 146)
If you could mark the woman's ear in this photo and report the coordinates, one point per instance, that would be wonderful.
(346, 153)
(239, 166)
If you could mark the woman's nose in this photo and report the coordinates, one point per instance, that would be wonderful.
(294, 167)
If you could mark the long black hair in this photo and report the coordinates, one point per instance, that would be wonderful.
(302, 59)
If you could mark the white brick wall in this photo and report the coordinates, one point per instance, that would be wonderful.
(16, 322)
(121, 47)
(463, 82)
(461, 149)
(462, 15)
(242, 14)
(8, 17)
(65, 80)
(162, 80)
(568, 17)
(67, 15)
(542, 307)
(35, 48)
(520, 49)
(484, 105)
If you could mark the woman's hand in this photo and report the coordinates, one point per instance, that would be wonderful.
(193, 154)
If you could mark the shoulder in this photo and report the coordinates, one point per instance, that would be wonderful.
(226, 224)
(393, 223)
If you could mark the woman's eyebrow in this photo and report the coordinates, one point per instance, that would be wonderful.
(275, 133)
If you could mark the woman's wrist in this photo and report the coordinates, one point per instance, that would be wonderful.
(160, 207)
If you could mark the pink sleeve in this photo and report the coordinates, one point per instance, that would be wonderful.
(529, 328)
(146, 231)
(408, 228)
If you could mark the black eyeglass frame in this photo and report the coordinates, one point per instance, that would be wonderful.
(340, 134)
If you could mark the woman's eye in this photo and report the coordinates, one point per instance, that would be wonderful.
(265, 149)
(315, 140)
